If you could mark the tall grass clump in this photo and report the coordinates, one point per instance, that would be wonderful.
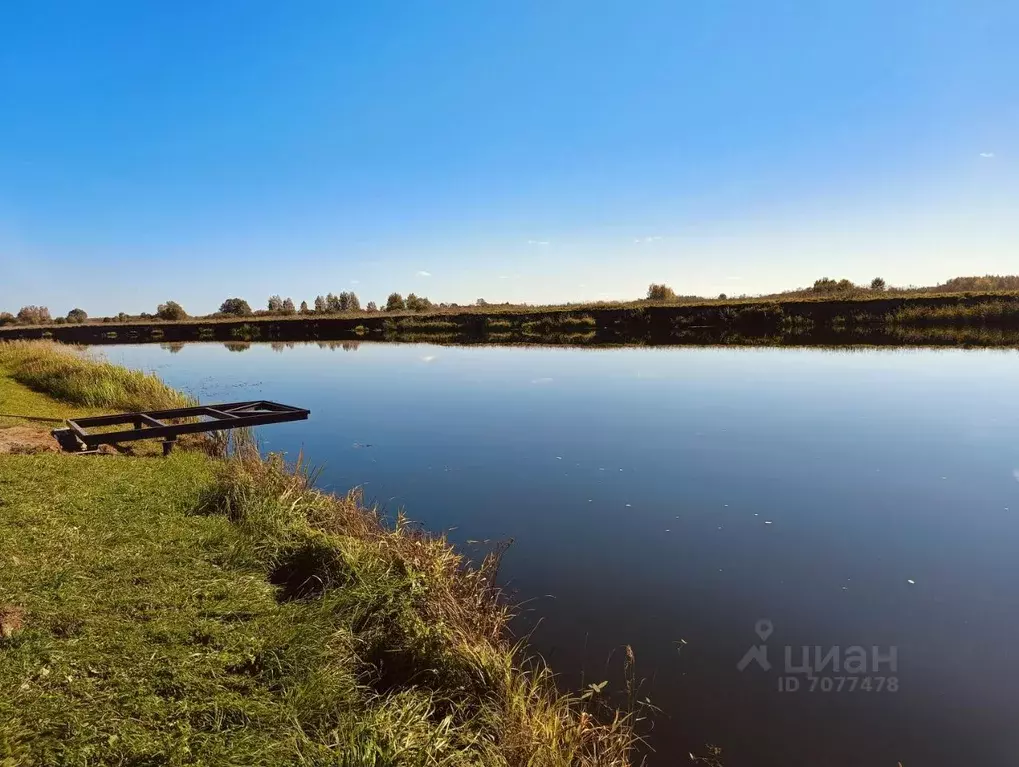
(560, 323)
(984, 312)
(73, 375)
(440, 680)
(425, 324)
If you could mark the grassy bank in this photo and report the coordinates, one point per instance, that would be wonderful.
(72, 376)
(200, 610)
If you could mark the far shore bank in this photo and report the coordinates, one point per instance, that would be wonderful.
(985, 319)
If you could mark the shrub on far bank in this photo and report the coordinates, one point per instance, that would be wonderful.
(656, 292)
(417, 303)
(171, 310)
(235, 306)
(827, 285)
(34, 315)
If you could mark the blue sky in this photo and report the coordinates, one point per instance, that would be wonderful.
(525, 151)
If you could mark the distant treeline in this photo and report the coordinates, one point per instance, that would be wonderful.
(349, 303)
(276, 306)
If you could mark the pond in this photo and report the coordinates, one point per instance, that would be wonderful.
(721, 511)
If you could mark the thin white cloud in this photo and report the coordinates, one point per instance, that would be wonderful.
(537, 242)
(733, 279)
(653, 238)
(541, 381)
(987, 155)
(1015, 473)
(423, 273)
(503, 276)
(355, 282)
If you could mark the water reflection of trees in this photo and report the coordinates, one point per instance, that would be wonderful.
(347, 346)
(173, 347)
(277, 346)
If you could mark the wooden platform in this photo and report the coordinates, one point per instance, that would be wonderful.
(156, 424)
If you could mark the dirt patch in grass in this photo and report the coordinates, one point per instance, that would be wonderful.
(26, 440)
(11, 620)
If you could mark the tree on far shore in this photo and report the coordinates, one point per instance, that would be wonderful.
(77, 315)
(656, 292)
(395, 303)
(236, 306)
(171, 310)
(33, 315)
(827, 285)
(417, 303)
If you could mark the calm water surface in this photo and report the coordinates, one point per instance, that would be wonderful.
(672, 499)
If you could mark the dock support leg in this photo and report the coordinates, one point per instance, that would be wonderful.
(168, 445)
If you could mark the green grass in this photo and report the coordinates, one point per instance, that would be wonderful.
(200, 610)
(73, 376)
(136, 638)
(18, 400)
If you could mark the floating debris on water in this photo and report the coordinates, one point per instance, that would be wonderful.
(627, 505)
(767, 521)
(910, 581)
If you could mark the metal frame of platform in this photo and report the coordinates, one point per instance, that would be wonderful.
(150, 424)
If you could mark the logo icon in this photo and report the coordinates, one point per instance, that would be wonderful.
(758, 653)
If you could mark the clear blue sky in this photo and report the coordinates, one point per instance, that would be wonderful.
(527, 151)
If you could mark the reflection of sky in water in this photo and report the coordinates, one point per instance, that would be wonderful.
(655, 495)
